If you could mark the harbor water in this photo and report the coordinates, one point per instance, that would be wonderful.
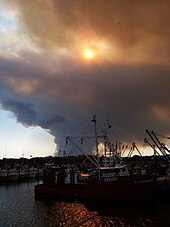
(18, 207)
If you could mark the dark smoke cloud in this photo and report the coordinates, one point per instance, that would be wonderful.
(23, 112)
(127, 95)
(61, 94)
(134, 26)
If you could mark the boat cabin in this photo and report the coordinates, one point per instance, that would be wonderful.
(112, 173)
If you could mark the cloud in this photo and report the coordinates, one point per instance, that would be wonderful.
(128, 95)
(127, 83)
(136, 30)
(23, 112)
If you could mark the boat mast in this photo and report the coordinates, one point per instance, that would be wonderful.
(97, 149)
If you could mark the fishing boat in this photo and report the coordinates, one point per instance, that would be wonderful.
(106, 181)
(7, 175)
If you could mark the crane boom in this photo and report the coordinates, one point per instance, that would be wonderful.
(161, 144)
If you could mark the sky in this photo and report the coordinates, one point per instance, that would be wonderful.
(61, 62)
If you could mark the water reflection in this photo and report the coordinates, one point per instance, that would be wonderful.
(18, 207)
(74, 214)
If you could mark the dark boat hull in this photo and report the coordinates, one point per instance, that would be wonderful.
(106, 191)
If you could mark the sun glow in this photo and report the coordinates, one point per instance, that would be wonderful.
(89, 54)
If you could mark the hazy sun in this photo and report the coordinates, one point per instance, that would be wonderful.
(88, 54)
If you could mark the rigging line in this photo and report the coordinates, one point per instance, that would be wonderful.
(82, 152)
(162, 145)
(86, 129)
(126, 146)
(88, 147)
(166, 137)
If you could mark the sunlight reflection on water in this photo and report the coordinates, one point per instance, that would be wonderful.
(18, 207)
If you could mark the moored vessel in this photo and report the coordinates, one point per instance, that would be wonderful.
(107, 181)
